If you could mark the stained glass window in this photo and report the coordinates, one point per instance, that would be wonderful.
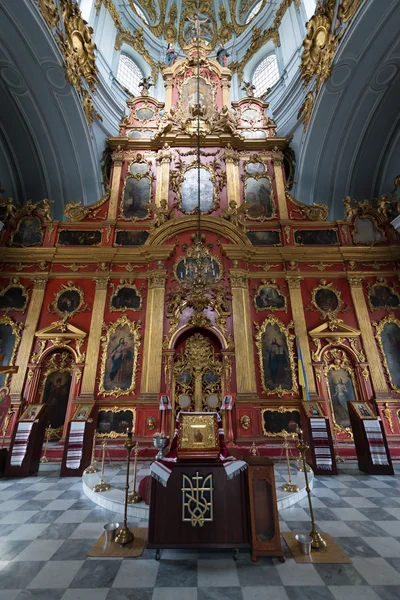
(129, 75)
(265, 75)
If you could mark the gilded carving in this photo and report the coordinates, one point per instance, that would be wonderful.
(327, 299)
(14, 296)
(236, 215)
(319, 47)
(125, 297)
(274, 344)
(75, 211)
(387, 413)
(306, 109)
(312, 212)
(113, 422)
(388, 338)
(347, 9)
(245, 422)
(10, 338)
(119, 361)
(286, 418)
(381, 295)
(269, 296)
(68, 301)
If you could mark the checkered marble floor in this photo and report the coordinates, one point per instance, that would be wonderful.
(47, 527)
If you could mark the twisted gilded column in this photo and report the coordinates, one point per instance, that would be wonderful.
(243, 334)
(28, 334)
(300, 328)
(153, 335)
(164, 156)
(118, 159)
(367, 335)
(93, 347)
(277, 159)
(232, 174)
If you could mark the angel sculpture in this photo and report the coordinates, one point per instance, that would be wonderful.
(146, 84)
(249, 88)
(235, 214)
(350, 211)
(163, 213)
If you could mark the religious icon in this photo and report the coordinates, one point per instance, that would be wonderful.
(312, 409)
(265, 238)
(269, 297)
(198, 433)
(388, 333)
(190, 94)
(189, 191)
(275, 361)
(126, 297)
(13, 297)
(327, 299)
(115, 422)
(280, 421)
(315, 237)
(82, 412)
(68, 237)
(382, 295)
(363, 410)
(68, 300)
(366, 231)
(136, 198)
(8, 344)
(131, 238)
(119, 357)
(145, 113)
(5, 402)
(341, 390)
(183, 266)
(28, 232)
(56, 395)
(255, 168)
(258, 193)
(32, 412)
(165, 402)
(227, 402)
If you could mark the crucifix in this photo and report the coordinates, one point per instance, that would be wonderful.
(197, 23)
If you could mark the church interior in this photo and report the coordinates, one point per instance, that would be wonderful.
(199, 300)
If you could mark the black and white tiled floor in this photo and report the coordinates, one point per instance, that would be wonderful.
(47, 527)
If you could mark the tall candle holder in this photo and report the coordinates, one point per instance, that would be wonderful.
(133, 497)
(289, 486)
(339, 459)
(318, 541)
(102, 486)
(44, 458)
(92, 468)
(125, 535)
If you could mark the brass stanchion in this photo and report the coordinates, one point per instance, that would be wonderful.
(289, 486)
(125, 535)
(339, 459)
(6, 424)
(102, 486)
(318, 541)
(44, 458)
(92, 468)
(133, 497)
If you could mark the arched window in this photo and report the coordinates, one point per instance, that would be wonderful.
(254, 11)
(265, 75)
(129, 75)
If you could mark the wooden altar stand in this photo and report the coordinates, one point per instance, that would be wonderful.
(317, 432)
(26, 443)
(79, 441)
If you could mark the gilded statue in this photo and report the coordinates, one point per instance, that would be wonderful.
(225, 122)
(350, 210)
(387, 413)
(9, 208)
(197, 25)
(382, 204)
(248, 87)
(235, 214)
(245, 423)
(163, 213)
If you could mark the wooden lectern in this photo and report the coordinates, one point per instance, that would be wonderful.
(26, 443)
(79, 441)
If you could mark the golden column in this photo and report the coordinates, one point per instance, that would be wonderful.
(28, 334)
(232, 174)
(164, 156)
(93, 347)
(300, 328)
(118, 160)
(168, 94)
(277, 159)
(367, 335)
(153, 337)
(242, 331)
(226, 84)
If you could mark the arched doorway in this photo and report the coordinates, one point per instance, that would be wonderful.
(197, 373)
(54, 389)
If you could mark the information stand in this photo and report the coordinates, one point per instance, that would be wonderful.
(26, 443)
(370, 440)
(78, 441)
(317, 430)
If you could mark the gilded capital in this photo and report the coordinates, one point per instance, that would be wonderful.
(355, 281)
(231, 155)
(294, 283)
(157, 278)
(277, 157)
(101, 283)
(238, 278)
(39, 283)
(164, 155)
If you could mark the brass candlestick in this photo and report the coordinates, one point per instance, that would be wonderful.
(6, 423)
(92, 468)
(289, 486)
(133, 497)
(102, 486)
(318, 541)
(44, 458)
(125, 535)
(339, 459)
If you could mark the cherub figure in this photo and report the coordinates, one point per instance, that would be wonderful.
(248, 88)
(163, 213)
(235, 214)
(350, 211)
(382, 204)
(146, 84)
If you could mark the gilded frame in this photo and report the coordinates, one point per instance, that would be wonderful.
(115, 409)
(132, 286)
(188, 422)
(16, 329)
(261, 329)
(213, 178)
(54, 366)
(256, 158)
(358, 406)
(134, 327)
(68, 287)
(16, 230)
(150, 178)
(381, 282)
(151, 107)
(315, 406)
(324, 285)
(15, 283)
(354, 230)
(272, 284)
(138, 159)
(336, 366)
(281, 409)
(60, 231)
(213, 258)
(82, 406)
(186, 79)
(379, 327)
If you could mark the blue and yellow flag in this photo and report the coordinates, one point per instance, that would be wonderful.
(302, 372)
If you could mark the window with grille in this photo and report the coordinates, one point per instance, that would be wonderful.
(265, 75)
(129, 75)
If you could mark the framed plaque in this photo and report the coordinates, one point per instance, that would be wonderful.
(198, 436)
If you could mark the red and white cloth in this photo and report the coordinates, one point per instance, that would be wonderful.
(162, 469)
(20, 443)
(322, 451)
(75, 444)
(375, 442)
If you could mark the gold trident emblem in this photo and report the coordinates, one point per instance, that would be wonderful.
(197, 499)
